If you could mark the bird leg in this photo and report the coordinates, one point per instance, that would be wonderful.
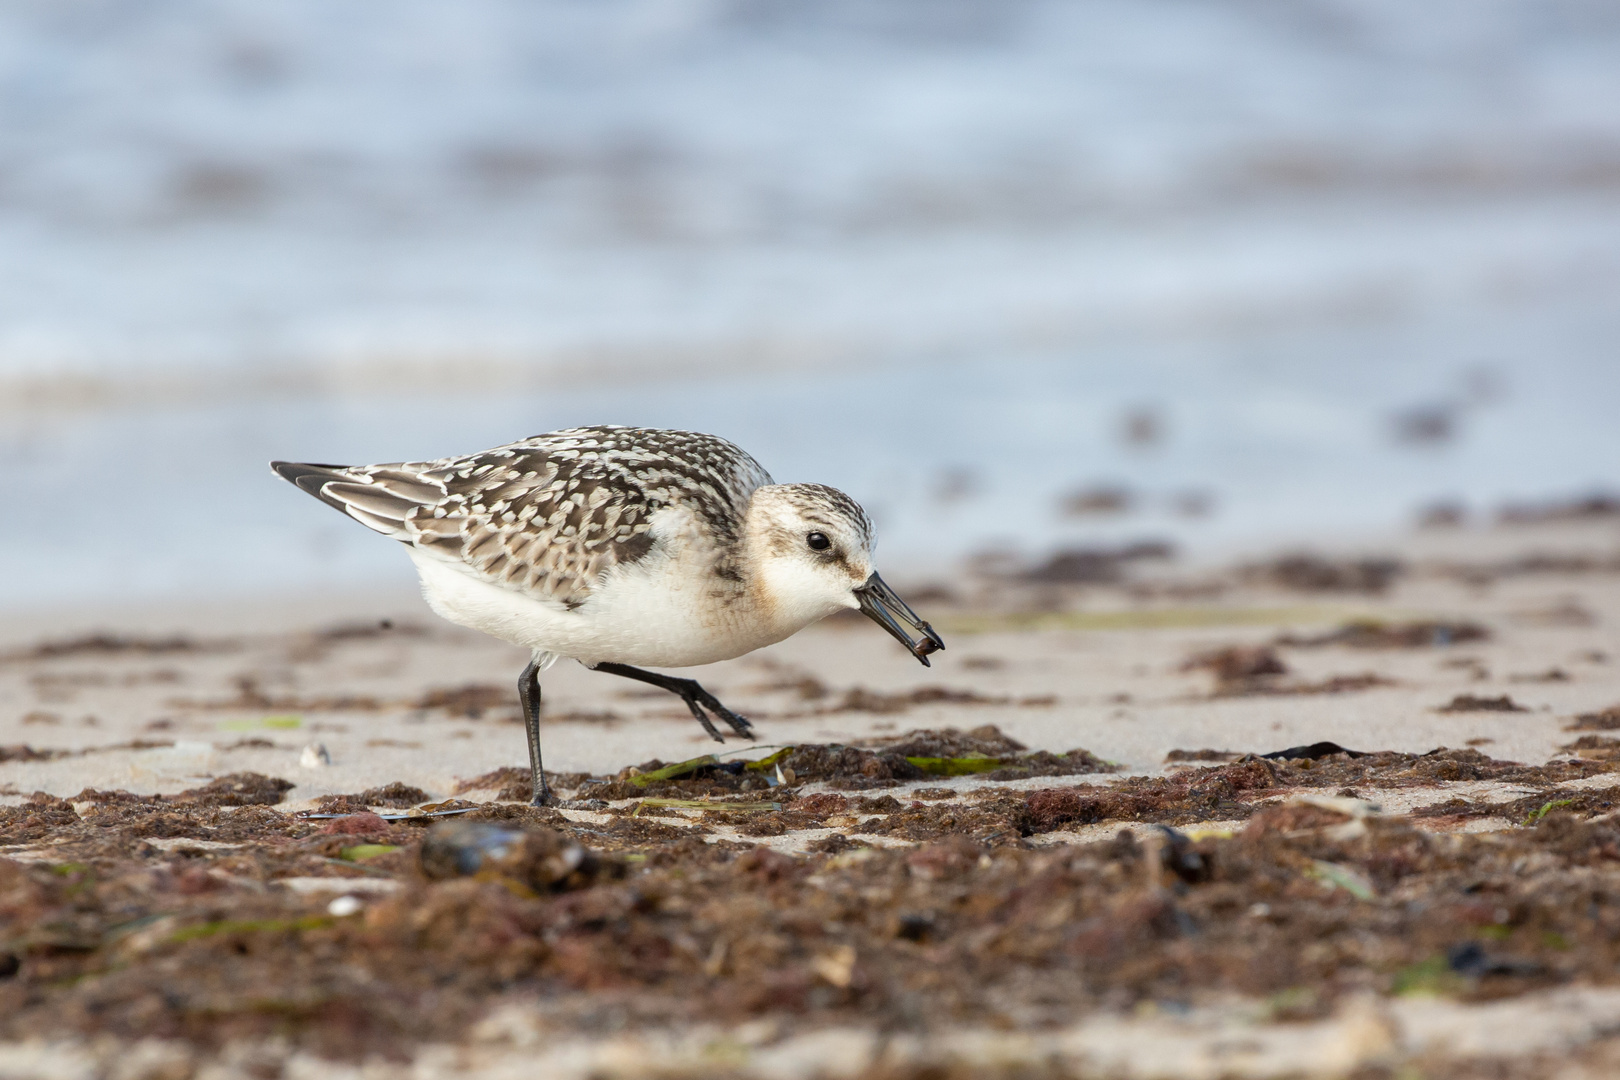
(529, 696)
(696, 698)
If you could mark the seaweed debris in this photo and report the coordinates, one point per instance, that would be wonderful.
(470, 701)
(1238, 666)
(1094, 566)
(1596, 506)
(1379, 634)
(109, 644)
(876, 763)
(1312, 752)
(238, 789)
(209, 917)
(1602, 720)
(860, 699)
(1476, 703)
(397, 795)
(1204, 756)
(1314, 573)
(1242, 670)
(1595, 747)
(1235, 791)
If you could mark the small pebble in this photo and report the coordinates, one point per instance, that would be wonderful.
(344, 906)
(315, 756)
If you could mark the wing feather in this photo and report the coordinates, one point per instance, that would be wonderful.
(550, 515)
(374, 500)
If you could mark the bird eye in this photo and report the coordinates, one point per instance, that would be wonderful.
(818, 541)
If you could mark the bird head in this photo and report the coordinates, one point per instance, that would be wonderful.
(812, 547)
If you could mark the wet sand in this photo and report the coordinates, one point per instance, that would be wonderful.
(900, 898)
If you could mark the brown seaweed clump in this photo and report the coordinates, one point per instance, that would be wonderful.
(876, 763)
(199, 948)
(1257, 669)
(1476, 703)
(1602, 720)
(1239, 667)
(1379, 634)
(1315, 573)
(191, 918)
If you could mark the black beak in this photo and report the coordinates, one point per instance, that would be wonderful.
(879, 604)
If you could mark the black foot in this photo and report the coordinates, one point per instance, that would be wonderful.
(697, 699)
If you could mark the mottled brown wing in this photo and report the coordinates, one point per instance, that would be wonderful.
(549, 515)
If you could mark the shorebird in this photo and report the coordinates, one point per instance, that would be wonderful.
(621, 546)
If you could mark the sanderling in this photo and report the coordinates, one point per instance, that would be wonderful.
(619, 546)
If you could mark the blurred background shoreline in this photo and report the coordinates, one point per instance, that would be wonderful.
(1023, 277)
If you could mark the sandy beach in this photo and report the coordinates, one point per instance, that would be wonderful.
(1232, 385)
(249, 686)
(155, 765)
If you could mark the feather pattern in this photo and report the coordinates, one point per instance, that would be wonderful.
(548, 516)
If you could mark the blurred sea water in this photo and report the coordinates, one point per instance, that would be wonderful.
(1225, 272)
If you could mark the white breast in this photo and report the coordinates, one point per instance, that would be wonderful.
(667, 610)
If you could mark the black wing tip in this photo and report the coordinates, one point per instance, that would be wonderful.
(308, 476)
